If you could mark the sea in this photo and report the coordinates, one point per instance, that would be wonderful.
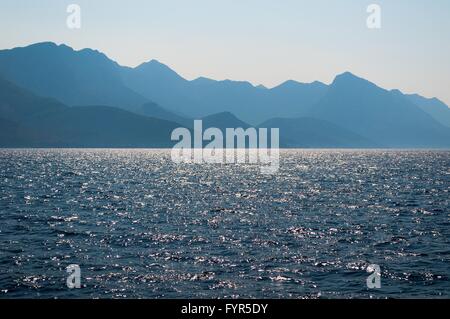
(138, 225)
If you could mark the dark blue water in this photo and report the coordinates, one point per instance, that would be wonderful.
(140, 226)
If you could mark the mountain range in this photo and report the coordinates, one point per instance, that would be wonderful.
(54, 96)
(28, 120)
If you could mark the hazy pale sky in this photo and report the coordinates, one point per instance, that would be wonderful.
(264, 42)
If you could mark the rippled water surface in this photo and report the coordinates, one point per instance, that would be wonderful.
(141, 226)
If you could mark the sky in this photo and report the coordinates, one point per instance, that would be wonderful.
(261, 41)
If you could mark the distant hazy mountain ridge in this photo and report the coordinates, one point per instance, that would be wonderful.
(52, 95)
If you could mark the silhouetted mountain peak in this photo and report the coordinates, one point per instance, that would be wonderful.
(289, 83)
(349, 81)
(153, 63)
(223, 83)
(83, 77)
(47, 44)
(292, 84)
(202, 79)
(347, 77)
(43, 47)
(228, 82)
(62, 50)
(158, 68)
(92, 52)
